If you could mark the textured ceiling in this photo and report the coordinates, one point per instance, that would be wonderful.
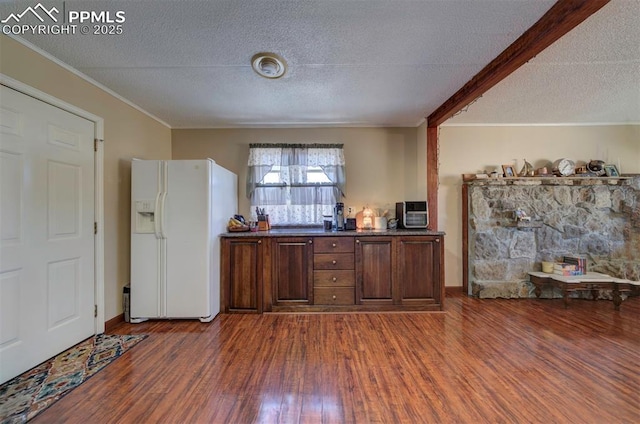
(353, 62)
(591, 75)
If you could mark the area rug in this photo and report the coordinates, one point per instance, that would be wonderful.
(30, 393)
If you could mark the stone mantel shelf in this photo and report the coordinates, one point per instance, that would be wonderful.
(552, 181)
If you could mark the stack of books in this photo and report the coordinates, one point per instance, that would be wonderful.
(571, 265)
(567, 270)
(579, 261)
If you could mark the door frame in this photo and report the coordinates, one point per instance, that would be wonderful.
(98, 158)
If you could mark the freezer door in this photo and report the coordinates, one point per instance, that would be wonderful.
(146, 248)
(187, 227)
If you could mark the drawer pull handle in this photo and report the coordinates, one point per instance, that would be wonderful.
(437, 240)
(357, 241)
(310, 241)
(333, 244)
(334, 297)
(334, 279)
(259, 241)
(334, 262)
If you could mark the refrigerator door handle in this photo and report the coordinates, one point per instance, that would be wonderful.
(162, 221)
(158, 217)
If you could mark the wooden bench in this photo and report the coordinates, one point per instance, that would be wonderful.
(593, 281)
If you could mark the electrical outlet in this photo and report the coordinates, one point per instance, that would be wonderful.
(351, 211)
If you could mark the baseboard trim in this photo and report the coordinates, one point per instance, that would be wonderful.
(113, 323)
(453, 291)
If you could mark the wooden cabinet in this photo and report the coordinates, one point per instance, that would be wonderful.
(291, 275)
(420, 268)
(374, 270)
(360, 272)
(403, 271)
(333, 271)
(242, 274)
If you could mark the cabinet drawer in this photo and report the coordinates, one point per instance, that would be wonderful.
(333, 261)
(333, 244)
(334, 296)
(341, 278)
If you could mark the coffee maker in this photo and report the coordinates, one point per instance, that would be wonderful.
(338, 216)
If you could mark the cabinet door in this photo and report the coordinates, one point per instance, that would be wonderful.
(420, 270)
(292, 271)
(374, 270)
(242, 260)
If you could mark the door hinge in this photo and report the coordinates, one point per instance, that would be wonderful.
(95, 144)
(95, 311)
(95, 228)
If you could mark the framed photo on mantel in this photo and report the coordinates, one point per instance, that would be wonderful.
(611, 171)
(508, 171)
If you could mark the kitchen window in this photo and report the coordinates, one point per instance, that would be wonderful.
(296, 184)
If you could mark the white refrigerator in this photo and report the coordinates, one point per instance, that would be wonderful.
(178, 210)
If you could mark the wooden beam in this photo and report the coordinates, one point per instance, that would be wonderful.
(559, 20)
(465, 238)
(432, 177)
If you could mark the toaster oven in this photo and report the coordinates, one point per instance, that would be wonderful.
(412, 214)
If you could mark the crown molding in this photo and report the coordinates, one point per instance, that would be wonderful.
(88, 79)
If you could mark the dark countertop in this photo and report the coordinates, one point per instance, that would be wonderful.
(315, 232)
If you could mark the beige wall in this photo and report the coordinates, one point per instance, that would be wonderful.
(421, 162)
(128, 133)
(382, 164)
(471, 149)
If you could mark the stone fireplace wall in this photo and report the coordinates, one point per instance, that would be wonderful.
(598, 218)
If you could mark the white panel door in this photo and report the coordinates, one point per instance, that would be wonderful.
(46, 231)
(186, 227)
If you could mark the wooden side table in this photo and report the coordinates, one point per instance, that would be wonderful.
(592, 281)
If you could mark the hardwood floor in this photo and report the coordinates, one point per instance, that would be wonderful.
(498, 361)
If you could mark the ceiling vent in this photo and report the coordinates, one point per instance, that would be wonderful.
(269, 65)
